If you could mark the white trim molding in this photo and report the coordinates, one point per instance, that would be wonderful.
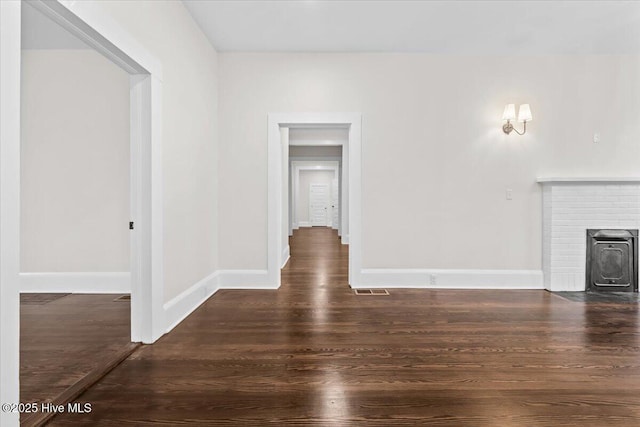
(76, 282)
(180, 307)
(286, 254)
(586, 179)
(247, 279)
(317, 143)
(10, 21)
(451, 279)
(101, 33)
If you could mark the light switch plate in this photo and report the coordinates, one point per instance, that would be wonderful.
(509, 194)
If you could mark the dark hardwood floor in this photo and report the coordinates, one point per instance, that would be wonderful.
(64, 338)
(313, 353)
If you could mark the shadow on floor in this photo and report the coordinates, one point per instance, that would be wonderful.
(600, 297)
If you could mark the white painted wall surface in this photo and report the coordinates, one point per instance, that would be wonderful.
(75, 163)
(189, 133)
(319, 137)
(315, 151)
(436, 164)
(302, 200)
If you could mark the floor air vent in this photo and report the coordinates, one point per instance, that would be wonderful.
(371, 292)
(123, 298)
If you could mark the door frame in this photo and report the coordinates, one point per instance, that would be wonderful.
(103, 34)
(298, 166)
(352, 121)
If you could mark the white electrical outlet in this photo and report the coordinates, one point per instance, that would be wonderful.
(596, 137)
(509, 194)
(433, 279)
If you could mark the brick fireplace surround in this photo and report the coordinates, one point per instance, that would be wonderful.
(569, 207)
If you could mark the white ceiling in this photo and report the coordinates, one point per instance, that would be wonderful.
(40, 32)
(457, 27)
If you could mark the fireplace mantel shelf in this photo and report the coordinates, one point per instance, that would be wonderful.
(578, 179)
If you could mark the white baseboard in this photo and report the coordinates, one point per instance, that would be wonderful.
(451, 279)
(345, 239)
(303, 224)
(76, 282)
(176, 310)
(184, 304)
(246, 279)
(285, 256)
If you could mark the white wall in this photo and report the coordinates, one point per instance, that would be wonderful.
(435, 161)
(315, 151)
(308, 177)
(75, 163)
(189, 133)
(319, 137)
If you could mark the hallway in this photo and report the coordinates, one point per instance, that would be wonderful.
(313, 353)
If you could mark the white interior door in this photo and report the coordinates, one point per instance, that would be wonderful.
(319, 204)
(335, 206)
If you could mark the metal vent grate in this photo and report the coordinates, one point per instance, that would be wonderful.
(123, 298)
(371, 292)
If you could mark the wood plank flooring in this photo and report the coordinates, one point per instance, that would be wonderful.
(64, 337)
(314, 354)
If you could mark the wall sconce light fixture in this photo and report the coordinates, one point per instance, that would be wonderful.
(524, 116)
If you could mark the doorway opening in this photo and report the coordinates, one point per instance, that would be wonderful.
(316, 185)
(145, 162)
(145, 178)
(290, 131)
(75, 243)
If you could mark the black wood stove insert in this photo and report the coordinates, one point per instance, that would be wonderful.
(612, 261)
